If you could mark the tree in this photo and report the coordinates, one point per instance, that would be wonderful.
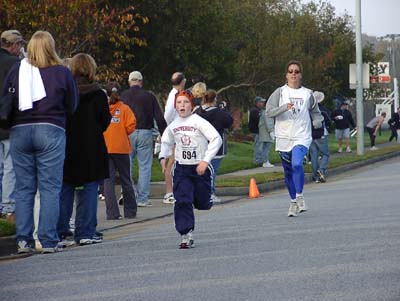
(107, 30)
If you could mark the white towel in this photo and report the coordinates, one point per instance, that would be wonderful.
(31, 86)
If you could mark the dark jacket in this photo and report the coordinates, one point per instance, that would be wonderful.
(146, 108)
(318, 133)
(394, 121)
(254, 118)
(221, 120)
(86, 158)
(61, 97)
(345, 122)
(7, 60)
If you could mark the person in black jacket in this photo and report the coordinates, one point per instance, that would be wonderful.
(86, 158)
(343, 119)
(11, 45)
(221, 120)
(394, 123)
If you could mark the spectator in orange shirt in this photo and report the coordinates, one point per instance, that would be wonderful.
(123, 123)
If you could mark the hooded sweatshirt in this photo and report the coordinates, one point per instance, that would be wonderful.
(86, 158)
(123, 123)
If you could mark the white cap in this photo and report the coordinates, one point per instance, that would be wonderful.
(135, 76)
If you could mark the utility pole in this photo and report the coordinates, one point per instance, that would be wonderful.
(359, 82)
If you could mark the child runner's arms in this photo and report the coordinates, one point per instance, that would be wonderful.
(214, 143)
(167, 145)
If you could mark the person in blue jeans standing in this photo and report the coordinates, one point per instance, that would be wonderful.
(86, 158)
(294, 109)
(37, 139)
(146, 109)
(319, 146)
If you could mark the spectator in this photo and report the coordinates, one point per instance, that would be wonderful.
(221, 120)
(394, 123)
(10, 50)
(146, 109)
(262, 128)
(37, 139)
(319, 147)
(86, 160)
(178, 81)
(373, 127)
(196, 142)
(343, 119)
(198, 90)
(122, 124)
(294, 109)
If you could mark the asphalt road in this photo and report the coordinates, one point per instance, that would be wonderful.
(346, 247)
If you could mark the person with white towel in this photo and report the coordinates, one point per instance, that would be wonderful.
(45, 93)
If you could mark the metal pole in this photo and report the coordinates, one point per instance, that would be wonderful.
(359, 82)
(396, 94)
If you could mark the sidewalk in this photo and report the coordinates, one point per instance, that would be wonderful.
(229, 194)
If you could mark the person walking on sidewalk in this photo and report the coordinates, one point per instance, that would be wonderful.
(373, 127)
(294, 109)
(178, 82)
(394, 123)
(10, 50)
(146, 109)
(319, 146)
(197, 142)
(343, 119)
(123, 123)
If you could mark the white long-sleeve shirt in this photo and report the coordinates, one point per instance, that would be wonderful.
(195, 138)
(170, 111)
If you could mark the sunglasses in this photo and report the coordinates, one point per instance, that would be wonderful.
(294, 71)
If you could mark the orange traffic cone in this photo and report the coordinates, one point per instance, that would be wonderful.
(253, 189)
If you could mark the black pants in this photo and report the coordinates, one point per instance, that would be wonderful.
(371, 136)
(394, 133)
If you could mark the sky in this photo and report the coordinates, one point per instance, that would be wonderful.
(378, 17)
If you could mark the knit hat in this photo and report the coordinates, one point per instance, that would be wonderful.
(186, 93)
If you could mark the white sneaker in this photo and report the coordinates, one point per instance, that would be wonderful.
(340, 150)
(24, 248)
(348, 150)
(215, 199)
(169, 198)
(301, 204)
(268, 164)
(293, 209)
(187, 241)
(374, 148)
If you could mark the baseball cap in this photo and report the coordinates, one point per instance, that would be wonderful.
(135, 76)
(319, 96)
(259, 99)
(346, 102)
(12, 36)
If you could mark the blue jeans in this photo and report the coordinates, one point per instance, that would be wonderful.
(86, 209)
(261, 150)
(142, 147)
(292, 163)
(319, 147)
(215, 163)
(38, 152)
(7, 178)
